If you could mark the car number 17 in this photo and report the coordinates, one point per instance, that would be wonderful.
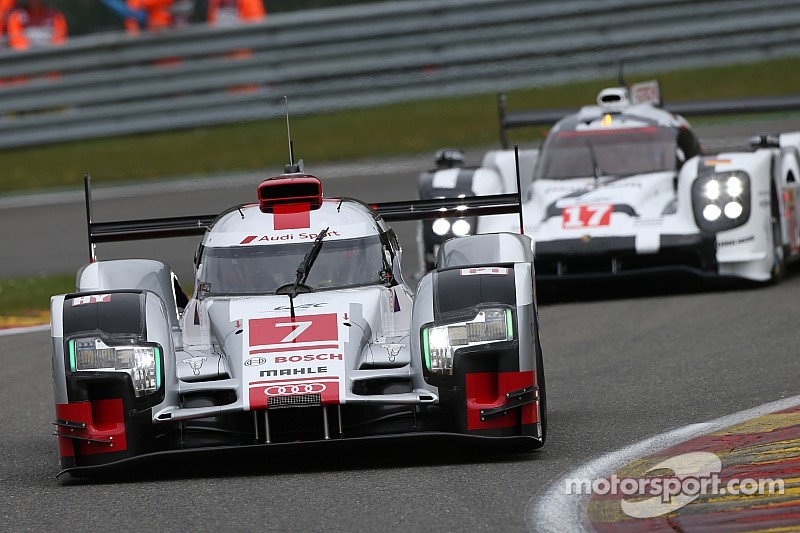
(586, 216)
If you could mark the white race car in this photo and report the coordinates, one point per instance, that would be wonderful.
(621, 188)
(300, 332)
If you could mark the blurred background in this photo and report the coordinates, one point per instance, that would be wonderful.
(176, 107)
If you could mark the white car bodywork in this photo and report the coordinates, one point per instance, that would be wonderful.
(595, 222)
(300, 328)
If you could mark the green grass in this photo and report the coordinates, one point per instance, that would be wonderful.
(388, 130)
(23, 295)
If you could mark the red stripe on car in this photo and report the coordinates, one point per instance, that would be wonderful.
(292, 216)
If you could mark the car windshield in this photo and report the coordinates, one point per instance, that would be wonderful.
(623, 152)
(262, 269)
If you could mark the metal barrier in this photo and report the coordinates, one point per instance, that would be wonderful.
(367, 55)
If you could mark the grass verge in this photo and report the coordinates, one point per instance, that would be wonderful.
(26, 301)
(410, 127)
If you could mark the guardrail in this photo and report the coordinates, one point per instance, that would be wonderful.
(366, 55)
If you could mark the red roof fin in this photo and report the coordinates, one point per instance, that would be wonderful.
(282, 190)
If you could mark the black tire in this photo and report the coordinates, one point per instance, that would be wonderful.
(542, 389)
(778, 252)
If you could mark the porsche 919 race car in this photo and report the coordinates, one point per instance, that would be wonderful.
(300, 329)
(622, 188)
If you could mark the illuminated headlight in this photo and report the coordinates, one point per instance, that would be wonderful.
(734, 187)
(712, 190)
(441, 226)
(461, 227)
(722, 200)
(711, 212)
(440, 342)
(141, 363)
(733, 209)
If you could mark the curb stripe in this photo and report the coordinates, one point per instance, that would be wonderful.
(557, 511)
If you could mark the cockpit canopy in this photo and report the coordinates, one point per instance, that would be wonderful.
(615, 152)
(246, 270)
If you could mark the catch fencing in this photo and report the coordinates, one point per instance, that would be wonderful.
(367, 55)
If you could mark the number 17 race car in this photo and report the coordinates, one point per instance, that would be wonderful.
(622, 189)
(300, 329)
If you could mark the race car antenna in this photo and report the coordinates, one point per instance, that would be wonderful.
(289, 135)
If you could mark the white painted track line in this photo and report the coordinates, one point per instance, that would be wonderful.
(29, 329)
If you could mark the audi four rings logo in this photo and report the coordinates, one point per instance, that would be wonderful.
(255, 361)
(300, 388)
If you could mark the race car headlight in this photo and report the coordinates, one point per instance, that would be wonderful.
(721, 201)
(441, 226)
(461, 227)
(440, 342)
(141, 363)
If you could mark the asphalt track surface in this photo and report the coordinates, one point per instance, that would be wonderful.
(622, 364)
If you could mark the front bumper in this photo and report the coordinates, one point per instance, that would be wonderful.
(616, 257)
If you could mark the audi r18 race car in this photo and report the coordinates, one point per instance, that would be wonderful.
(622, 188)
(300, 329)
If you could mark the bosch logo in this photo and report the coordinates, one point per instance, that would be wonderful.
(300, 388)
(255, 361)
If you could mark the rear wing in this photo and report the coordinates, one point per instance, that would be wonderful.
(186, 226)
(771, 104)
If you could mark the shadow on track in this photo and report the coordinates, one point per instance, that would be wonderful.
(569, 291)
(238, 462)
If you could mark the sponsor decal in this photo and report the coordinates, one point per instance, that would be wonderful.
(301, 306)
(195, 363)
(303, 350)
(713, 162)
(92, 299)
(308, 357)
(393, 350)
(305, 328)
(326, 387)
(586, 216)
(743, 240)
(297, 388)
(653, 221)
(302, 236)
(646, 91)
(497, 271)
(302, 371)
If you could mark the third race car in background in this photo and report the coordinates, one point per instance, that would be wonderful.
(622, 188)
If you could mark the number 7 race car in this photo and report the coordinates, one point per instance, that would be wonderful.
(300, 329)
(621, 188)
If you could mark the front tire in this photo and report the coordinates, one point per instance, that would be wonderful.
(542, 389)
(778, 252)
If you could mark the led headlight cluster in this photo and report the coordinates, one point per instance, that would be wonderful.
(439, 342)
(460, 227)
(721, 201)
(141, 363)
